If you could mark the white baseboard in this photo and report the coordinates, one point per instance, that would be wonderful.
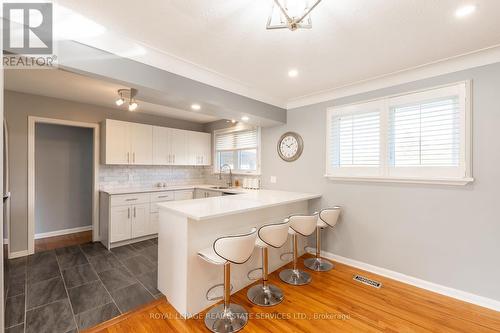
(18, 254)
(437, 288)
(62, 232)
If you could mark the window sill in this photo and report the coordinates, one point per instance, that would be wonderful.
(431, 181)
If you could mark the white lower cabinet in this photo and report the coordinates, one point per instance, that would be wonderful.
(120, 223)
(200, 193)
(132, 217)
(140, 221)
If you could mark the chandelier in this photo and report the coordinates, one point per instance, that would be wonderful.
(291, 14)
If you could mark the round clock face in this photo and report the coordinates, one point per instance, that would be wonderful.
(290, 146)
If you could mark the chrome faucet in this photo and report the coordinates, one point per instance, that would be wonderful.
(230, 182)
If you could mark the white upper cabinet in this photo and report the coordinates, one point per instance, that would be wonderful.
(199, 148)
(141, 144)
(161, 146)
(116, 142)
(127, 143)
(131, 143)
(179, 146)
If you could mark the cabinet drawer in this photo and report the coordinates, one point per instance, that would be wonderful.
(129, 199)
(162, 196)
(184, 195)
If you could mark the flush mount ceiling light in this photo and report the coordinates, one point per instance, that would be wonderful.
(196, 107)
(465, 11)
(245, 118)
(127, 95)
(291, 14)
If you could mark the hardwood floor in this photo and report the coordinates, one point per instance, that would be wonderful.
(56, 242)
(333, 302)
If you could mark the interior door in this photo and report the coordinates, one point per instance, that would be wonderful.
(120, 223)
(161, 146)
(141, 144)
(117, 142)
(140, 220)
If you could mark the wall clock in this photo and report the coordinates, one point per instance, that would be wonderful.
(290, 146)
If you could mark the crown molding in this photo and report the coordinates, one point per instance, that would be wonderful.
(469, 60)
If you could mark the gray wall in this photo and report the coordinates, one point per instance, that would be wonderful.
(17, 108)
(63, 177)
(448, 235)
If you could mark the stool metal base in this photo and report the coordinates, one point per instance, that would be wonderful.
(295, 277)
(265, 295)
(318, 264)
(233, 319)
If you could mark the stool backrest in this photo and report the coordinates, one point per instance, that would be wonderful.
(330, 215)
(236, 249)
(303, 224)
(276, 234)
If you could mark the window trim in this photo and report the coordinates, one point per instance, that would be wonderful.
(238, 128)
(383, 176)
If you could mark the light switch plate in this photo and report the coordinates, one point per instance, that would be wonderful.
(273, 179)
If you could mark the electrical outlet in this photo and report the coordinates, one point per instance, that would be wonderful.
(273, 179)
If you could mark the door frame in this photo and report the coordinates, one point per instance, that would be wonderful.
(32, 121)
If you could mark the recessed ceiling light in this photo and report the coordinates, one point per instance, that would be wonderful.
(465, 10)
(196, 107)
(233, 121)
(293, 73)
(245, 118)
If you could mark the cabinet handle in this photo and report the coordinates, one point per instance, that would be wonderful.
(128, 209)
(133, 157)
(128, 157)
(173, 157)
(163, 196)
(131, 199)
(134, 213)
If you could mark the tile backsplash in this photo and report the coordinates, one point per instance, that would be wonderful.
(127, 176)
(116, 177)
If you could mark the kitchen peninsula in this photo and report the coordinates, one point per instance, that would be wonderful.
(185, 227)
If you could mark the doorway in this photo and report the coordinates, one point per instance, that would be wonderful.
(62, 182)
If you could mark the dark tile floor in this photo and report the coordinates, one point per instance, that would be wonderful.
(72, 288)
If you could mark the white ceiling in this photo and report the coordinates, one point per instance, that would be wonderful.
(351, 40)
(78, 88)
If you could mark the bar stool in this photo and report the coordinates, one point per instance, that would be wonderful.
(326, 218)
(237, 249)
(303, 225)
(271, 235)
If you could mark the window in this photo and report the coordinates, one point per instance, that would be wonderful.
(423, 137)
(239, 148)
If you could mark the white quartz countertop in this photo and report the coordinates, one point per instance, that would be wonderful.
(206, 208)
(171, 188)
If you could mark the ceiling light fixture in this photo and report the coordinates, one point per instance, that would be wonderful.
(245, 118)
(196, 107)
(293, 73)
(132, 106)
(127, 94)
(465, 10)
(291, 14)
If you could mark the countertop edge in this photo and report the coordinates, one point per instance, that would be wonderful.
(238, 211)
